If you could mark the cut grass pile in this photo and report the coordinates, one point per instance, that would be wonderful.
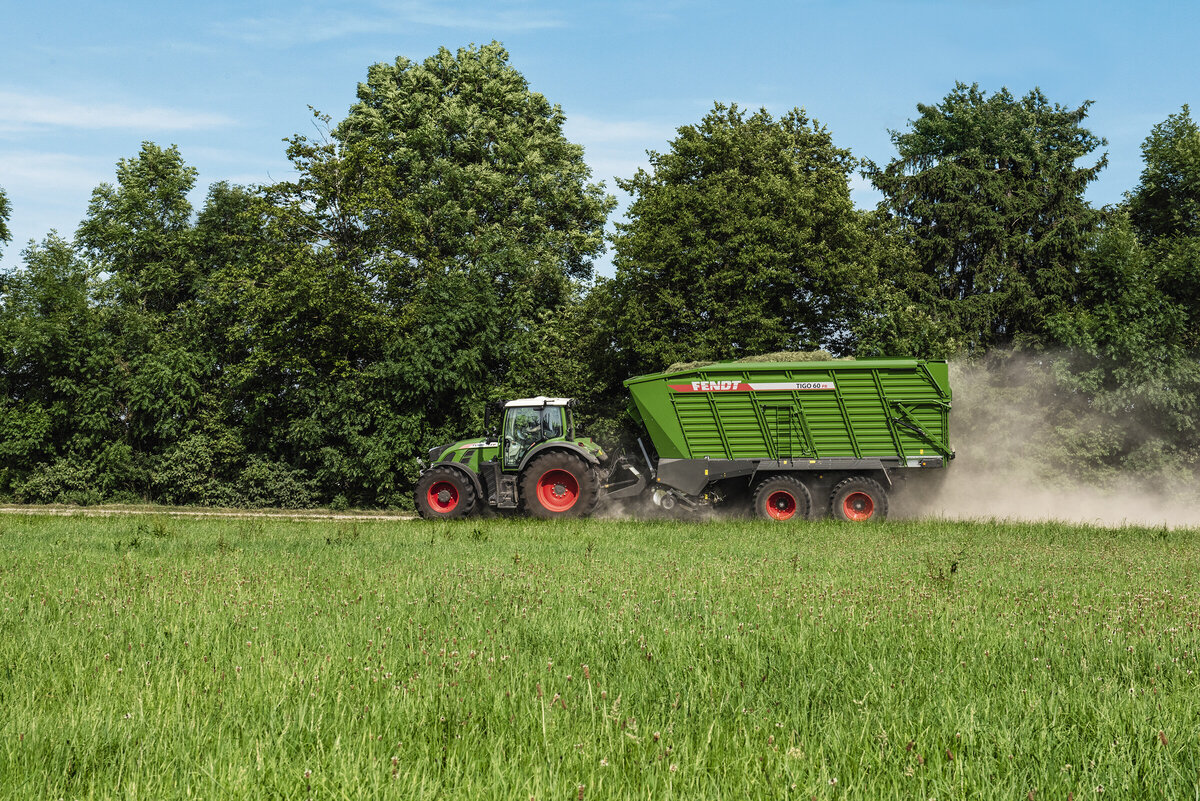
(164, 657)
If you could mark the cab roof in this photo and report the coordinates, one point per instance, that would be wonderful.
(540, 400)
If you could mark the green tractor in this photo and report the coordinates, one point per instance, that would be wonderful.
(538, 463)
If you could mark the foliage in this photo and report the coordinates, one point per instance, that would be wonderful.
(266, 483)
(1128, 360)
(305, 342)
(451, 219)
(741, 239)
(52, 345)
(5, 213)
(138, 230)
(989, 192)
(1166, 202)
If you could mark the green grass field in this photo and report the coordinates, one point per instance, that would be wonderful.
(163, 657)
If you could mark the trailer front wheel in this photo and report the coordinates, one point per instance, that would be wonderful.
(559, 484)
(859, 499)
(782, 498)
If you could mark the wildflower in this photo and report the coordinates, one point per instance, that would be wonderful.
(674, 767)
(603, 762)
(832, 782)
(307, 774)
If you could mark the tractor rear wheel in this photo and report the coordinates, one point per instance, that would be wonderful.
(858, 499)
(782, 498)
(559, 484)
(444, 493)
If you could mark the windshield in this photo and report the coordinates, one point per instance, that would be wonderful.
(525, 426)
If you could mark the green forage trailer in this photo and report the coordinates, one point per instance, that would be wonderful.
(793, 440)
(804, 438)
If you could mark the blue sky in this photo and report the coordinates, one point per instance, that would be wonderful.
(82, 84)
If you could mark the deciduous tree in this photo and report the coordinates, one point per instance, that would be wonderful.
(5, 212)
(740, 239)
(989, 190)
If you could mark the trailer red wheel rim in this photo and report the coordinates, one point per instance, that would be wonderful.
(858, 506)
(442, 496)
(781, 505)
(557, 490)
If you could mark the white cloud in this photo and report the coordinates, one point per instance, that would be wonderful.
(497, 16)
(23, 112)
(42, 174)
(313, 25)
(863, 193)
(591, 130)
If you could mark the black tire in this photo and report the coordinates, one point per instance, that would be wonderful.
(858, 499)
(783, 498)
(559, 485)
(444, 493)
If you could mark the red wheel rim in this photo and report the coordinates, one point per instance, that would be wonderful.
(781, 505)
(557, 490)
(858, 506)
(442, 496)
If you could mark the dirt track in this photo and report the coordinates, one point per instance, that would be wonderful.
(101, 511)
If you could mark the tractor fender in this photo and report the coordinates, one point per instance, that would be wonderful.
(569, 447)
(471, 475)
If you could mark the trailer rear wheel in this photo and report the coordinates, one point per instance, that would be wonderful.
(782, 498)
(858, 499)
(559, 484)
(444, 493)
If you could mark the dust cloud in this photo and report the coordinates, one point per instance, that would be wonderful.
(1007, 430)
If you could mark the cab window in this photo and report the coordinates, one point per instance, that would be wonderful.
(552, 422)
(525, 426)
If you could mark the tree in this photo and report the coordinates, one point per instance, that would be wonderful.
(5, 212)
(1130, 375)
(1166, 202)
(447, 215)
(1165, 211)
(55, 413)
(138, 230)
(990, 193)
(741, 239)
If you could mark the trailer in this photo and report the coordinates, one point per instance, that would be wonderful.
(803, 438)
(790, 440)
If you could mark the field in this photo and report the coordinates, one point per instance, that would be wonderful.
(160, 657)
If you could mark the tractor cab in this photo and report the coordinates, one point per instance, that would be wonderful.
(530, 421)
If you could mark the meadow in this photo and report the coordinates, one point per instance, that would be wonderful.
(161, 657)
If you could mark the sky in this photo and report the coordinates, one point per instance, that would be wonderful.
(83, 84)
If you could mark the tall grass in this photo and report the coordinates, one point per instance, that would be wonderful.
(514, 659)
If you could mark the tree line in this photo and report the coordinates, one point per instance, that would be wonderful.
(303, 342)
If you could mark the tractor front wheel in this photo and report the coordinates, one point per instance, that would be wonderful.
(559, 484)
(444, 493)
